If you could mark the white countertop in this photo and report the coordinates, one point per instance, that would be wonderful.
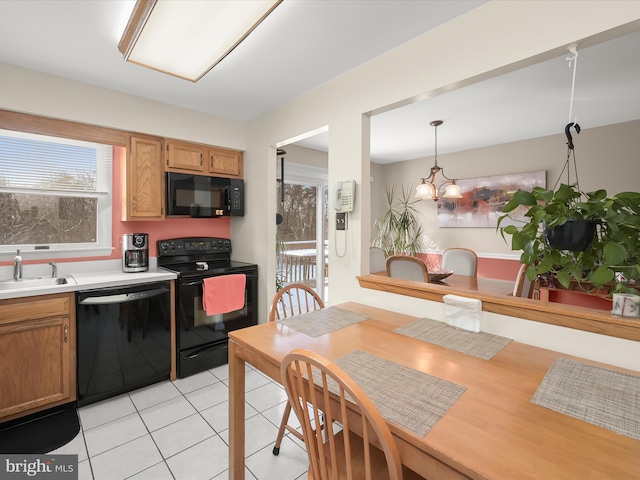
(88, 277)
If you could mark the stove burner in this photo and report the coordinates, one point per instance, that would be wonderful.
(199, 257)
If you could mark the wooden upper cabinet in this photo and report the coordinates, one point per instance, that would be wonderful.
(186, 157)
(225, 162)
(143, 180)
(183, 156)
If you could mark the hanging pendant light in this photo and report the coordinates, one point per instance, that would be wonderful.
(428, 188)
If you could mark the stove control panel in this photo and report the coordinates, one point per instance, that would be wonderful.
(193, 246)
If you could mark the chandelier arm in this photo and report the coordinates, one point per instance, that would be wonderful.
(452, 180)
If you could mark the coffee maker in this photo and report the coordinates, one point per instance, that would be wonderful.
(135, 252)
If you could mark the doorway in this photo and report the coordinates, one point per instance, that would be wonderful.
(302, 235)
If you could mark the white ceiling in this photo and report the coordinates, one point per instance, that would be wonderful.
(305, 43)
(528, 103)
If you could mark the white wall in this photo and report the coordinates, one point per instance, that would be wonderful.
(485, 42)
(304, 156)
(32, 92)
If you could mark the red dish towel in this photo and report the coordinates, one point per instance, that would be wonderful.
(224, 293)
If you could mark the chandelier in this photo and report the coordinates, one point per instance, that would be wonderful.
(428, 188)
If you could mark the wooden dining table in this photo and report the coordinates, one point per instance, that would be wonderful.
(492, 431)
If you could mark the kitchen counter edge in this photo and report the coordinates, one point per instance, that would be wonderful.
(91, 281)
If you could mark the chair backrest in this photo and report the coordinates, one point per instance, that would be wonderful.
(294, 299)
(461, 260)
(377, 260)
(351, 455)
(522, 287)
(407, 268)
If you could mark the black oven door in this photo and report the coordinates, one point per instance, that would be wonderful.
(202, 338)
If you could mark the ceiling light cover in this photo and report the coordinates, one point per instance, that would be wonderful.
(187, 38)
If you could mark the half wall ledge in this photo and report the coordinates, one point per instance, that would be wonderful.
(578, 318)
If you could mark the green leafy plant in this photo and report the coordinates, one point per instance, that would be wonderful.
(399, 230)
(612, 255)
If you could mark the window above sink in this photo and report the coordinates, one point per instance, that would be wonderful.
(55, 195)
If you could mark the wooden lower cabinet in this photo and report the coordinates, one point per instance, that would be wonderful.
(37, 354)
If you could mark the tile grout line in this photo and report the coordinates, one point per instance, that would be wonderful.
(260, 411)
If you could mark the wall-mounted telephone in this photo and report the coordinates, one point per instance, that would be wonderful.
(344, 196)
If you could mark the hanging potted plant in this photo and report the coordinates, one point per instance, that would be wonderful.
(608, 254)
(605, 252)
(590, 238)
(399, 230)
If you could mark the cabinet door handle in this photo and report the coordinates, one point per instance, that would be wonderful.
(66, 334)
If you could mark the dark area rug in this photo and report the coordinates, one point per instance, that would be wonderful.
(41, 432)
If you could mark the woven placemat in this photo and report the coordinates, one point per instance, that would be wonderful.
(602, 397)
(411, 399)
(482, 345)
(323, 321)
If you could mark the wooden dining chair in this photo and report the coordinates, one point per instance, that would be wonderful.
(407, 268)
(349, 452)
(294, 299)
(291, 300)
(462, 261)
(523, 285)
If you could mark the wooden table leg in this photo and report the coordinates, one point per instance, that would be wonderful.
(236, 414)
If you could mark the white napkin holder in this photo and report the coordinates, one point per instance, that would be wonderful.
(464, 313)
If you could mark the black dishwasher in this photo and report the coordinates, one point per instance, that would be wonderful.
(124, 339)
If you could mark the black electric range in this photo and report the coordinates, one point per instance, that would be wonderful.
(202, 340)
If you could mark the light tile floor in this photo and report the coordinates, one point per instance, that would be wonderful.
(179, 431)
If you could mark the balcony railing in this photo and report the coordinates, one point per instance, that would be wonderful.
(298, 262)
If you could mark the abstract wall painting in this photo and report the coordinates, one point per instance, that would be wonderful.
(484, 198)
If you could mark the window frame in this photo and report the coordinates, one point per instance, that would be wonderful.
(27, 123)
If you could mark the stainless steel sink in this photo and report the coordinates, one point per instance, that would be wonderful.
(41, 282)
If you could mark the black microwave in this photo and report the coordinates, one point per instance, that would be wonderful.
(202, 196)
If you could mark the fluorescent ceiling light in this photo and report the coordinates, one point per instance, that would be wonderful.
(187, 38)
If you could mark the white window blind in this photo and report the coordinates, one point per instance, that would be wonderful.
(34, 164)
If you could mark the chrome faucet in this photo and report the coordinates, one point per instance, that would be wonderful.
(54, 269)
(17, 267)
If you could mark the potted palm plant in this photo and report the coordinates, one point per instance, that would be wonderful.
(399, 230)
(607, 254)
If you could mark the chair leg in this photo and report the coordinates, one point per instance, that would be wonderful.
(283, 426)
